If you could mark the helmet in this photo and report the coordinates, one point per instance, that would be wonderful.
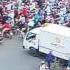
(42, 62)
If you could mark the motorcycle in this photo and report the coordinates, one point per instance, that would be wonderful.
(7, 34)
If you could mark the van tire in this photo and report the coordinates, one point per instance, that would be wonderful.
(33, 51)
(23, 47)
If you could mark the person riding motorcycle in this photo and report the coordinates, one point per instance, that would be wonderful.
(6, 29)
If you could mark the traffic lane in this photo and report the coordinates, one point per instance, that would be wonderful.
(14, 57)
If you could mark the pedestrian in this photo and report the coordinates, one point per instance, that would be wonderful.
(50, 58)
(36, 19)
(43, 66)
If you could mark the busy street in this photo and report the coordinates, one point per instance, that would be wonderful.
(34, 34)
(14, 57)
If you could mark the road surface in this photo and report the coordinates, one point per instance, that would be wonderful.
(14, 57)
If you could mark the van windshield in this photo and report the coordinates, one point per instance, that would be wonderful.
(30, 36)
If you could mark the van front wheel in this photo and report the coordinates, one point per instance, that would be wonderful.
(23, 47)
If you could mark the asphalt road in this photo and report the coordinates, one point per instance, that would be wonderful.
(14, 57)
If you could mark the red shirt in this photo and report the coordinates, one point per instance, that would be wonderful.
(24, 12)
(16, 11)
(7, 25)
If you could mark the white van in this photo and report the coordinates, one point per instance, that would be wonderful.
(54, 38)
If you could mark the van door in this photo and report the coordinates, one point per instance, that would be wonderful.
(30, 40)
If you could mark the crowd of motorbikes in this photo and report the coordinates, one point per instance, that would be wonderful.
(6, 31)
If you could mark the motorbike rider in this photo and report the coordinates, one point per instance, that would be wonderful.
(6, 28)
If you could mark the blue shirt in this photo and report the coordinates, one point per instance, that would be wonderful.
(50, 57)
